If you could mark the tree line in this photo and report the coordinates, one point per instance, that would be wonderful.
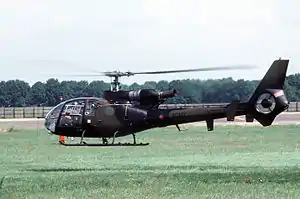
(18, 93)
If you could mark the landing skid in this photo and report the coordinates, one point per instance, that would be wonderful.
(108, 144)
(105, 142)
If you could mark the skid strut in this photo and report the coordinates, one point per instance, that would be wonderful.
(82, 136)
(134, 140)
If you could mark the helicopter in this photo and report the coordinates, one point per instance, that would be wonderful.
(121, 113)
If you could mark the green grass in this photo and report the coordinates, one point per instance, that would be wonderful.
(230, 162)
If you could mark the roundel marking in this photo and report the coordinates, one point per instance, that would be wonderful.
(161, 116)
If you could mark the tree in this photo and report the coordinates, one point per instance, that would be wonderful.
(16, 93)
(19, 93)
(53, 92)
(37, 94)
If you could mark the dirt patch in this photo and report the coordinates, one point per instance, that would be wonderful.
(3, 131)
(28, 148)
(7, 130)
(21, 124)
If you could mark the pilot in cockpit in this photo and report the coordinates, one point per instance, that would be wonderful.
(67, 119)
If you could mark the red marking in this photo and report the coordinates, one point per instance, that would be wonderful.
(279, 93)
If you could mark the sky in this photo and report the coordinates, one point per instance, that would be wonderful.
(54, 39)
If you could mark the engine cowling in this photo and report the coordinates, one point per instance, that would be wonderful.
(143, 96)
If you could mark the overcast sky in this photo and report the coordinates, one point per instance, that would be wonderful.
(144, 35)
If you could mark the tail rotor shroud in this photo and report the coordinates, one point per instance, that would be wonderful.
(265, 103)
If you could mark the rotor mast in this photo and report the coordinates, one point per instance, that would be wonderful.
(115, 77)
(114, 83)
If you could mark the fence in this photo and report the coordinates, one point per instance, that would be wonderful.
(23, 112)
(40, 112)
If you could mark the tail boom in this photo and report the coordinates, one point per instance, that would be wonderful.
(264, 105)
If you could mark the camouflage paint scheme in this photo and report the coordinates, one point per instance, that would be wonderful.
(101, 118)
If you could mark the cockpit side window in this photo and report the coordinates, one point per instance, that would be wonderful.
(92, 105)
(72, 114)
(90, 108)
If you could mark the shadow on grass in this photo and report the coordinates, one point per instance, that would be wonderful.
(204, 174)
(186, 179)
(138, 168)
(61, 170)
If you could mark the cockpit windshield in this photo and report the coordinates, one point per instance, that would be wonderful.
(52, 117)
(76, 109)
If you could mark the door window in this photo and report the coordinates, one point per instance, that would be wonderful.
(71, 115)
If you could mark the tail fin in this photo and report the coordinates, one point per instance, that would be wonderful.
(269, 99)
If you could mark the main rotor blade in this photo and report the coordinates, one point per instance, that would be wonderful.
(118, 73)
(96, 73)
(197, 69)
(83, 75)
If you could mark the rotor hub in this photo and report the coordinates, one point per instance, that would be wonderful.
(266, 103)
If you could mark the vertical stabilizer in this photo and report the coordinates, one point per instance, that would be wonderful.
(269, 99)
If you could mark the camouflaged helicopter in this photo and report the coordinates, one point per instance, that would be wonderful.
(121, 113)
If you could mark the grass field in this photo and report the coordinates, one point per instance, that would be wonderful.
(230, 162)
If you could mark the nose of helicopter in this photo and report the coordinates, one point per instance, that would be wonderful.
(52, 117)
(49, 124)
